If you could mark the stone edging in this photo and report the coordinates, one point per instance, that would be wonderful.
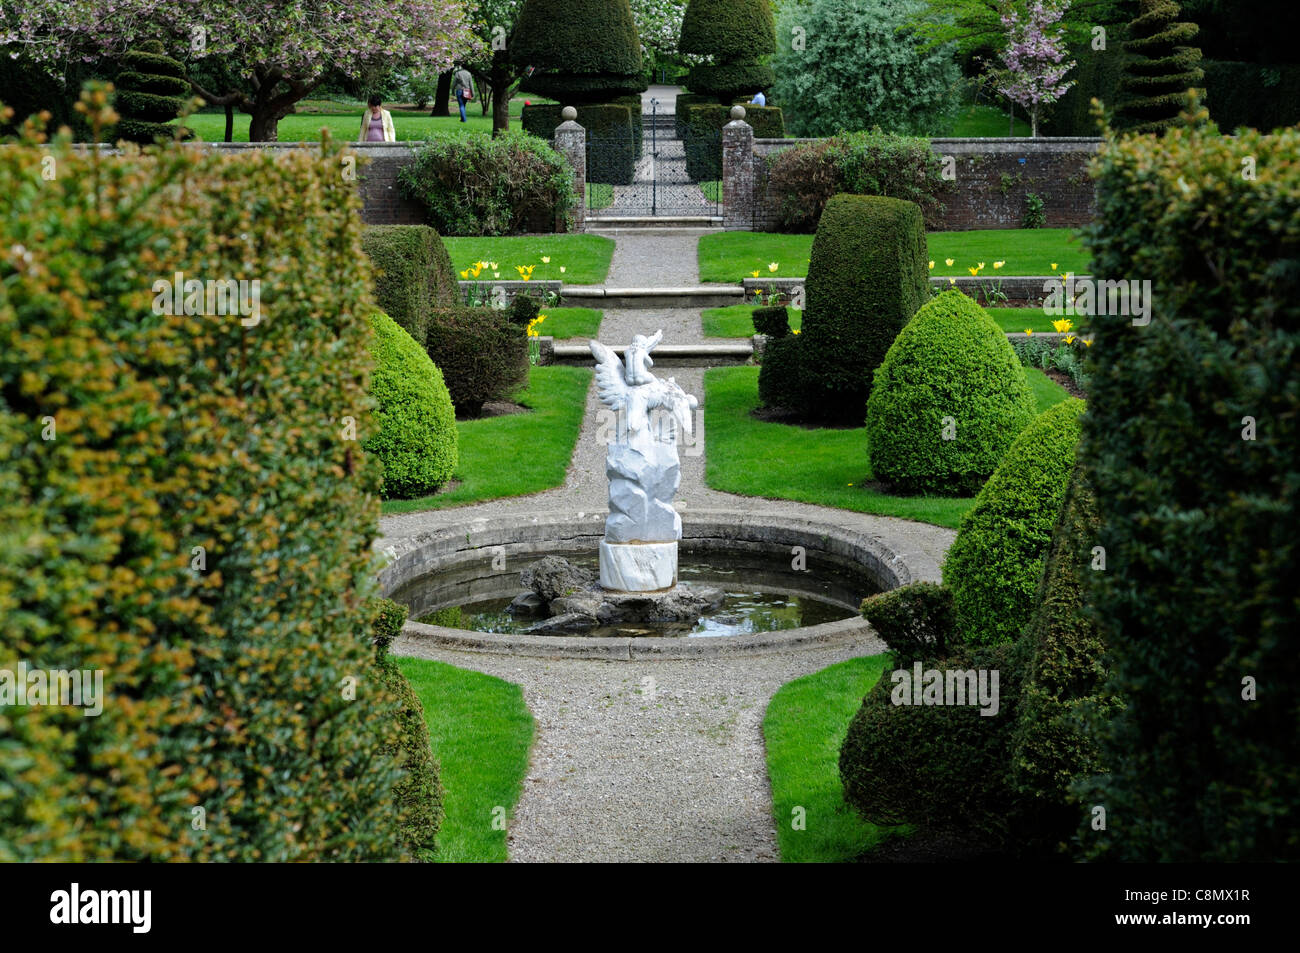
(890, 564)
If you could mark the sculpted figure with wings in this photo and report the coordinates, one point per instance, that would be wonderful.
(642, 463)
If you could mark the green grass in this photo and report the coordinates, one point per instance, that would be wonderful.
(519, 453)
(823, 466)
(1017, 319)
(984, 122)
(565, 323)
(481, 731)
(736, 321)
(585, 258)
(732, 256)
(599, 195)
(805, 725)
(344, 122)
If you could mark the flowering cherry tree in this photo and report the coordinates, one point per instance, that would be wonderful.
(274, 54)
(1034, 72)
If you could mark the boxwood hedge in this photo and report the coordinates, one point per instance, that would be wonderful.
(948, 400)
(414, 433)
(412, 274)
(482, 354)
(994, 565)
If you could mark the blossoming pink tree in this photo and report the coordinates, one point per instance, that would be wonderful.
(1034, 72)
(274, 54)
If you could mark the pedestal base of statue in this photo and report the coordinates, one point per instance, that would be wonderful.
(638, 567)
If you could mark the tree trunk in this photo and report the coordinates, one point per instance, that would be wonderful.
(442, 97)
(485, 96)
(1011, 114)
(501, 81)
(1033, 121)
(230, 122)
(264, 125)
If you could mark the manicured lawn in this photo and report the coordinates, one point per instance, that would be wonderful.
(519, 453)
(984, 122)
(732, 256)
(805, 725)
(344, 122)
(599, 195)
(565, 323)
(736, 321)
(824, 466)
(585, 258)
(481, 731)
(1017, 319)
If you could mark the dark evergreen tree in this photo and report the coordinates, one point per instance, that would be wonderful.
(151, 90)
(1153, 89)
(735, 34)
(582, 51)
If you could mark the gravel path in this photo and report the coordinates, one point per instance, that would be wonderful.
(662, 760)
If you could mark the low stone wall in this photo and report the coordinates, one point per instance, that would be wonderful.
(993, 177)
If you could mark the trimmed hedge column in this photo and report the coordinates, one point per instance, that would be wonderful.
(737, 172)
(570, 141)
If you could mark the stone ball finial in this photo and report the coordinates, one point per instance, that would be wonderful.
(568, 114)
(737, 112)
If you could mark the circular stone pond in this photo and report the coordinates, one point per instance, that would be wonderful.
(790, 582)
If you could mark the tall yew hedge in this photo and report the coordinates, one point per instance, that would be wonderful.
(1192, 444)
(184, 506)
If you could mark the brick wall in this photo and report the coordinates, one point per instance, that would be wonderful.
(992, 178)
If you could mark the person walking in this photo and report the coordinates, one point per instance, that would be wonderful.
(377, 123)
(463, 87)
(759, 99)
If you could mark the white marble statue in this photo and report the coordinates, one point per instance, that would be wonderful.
(639, 551)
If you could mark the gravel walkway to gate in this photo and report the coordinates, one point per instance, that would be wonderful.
(663, 760)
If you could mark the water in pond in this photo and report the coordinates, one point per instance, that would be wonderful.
(763, 594)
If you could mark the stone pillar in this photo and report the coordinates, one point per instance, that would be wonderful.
(737, 172)
(571, 142)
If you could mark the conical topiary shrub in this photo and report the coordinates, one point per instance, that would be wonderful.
(948, 401)
(867, 276)
(1153, 89)
(583, 51)
(994, 565)
(151, 91)
(735, 34)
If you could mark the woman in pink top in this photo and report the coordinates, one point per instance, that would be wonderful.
(377, 123)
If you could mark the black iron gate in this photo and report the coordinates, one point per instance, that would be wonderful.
(652, 172)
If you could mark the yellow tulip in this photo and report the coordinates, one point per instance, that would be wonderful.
(1062, 325)
(496, 274)
(974, 271)
(546, 259)
(998, 264)
(1053, 266)
(562, 269)
(1087, 342)
(948, 262)
(952, 281)
(541, 318)
(1069, 339)
(981, 266)
(795, 331)
(1029, 332)
(772, 266)
(492, 265)
(755, 273)
(465, 274)
(932, 266)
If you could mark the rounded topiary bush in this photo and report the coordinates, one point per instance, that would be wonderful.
(996, 561)
(412, 274)
(416, 428)
(482, 354)
(735, 34)
(867, 276)
(939, 767)
(556, 37)
(948, 400)
(151, 90)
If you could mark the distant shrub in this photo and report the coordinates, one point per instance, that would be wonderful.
(773, 321)
(483, 356)
(802, 179)
(415, 435)
(948, 400)
(780, 375)
(703, 135)
(151, 92)
(735, 35)
(412, 274)
(504, 185)
(994, 565)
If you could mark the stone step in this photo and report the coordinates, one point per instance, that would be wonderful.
(653, 221)
(665, 355)
(699, 296)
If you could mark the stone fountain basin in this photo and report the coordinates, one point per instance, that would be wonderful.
(516, 540)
